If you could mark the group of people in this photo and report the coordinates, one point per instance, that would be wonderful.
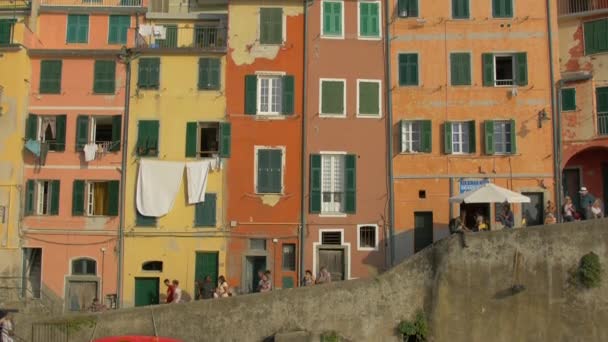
(324, 277)
(6, 327)
(590, 207)
(459, 224)
(205, 289)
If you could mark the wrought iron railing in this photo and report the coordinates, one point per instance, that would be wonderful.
(93, 3)
(570, 7)
(172, 37)
(9, 5)
(602, 123)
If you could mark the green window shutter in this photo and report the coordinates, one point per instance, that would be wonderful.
(251, 89)
(369, 19)
(191, 135)
(513, 138)
(447, 138)
(147, 138)
(170, 40)
(271, 25)
(144, 221)
(489, 135)
(502, 8)
(601, 97)
(31, 127)
(568, 99)
(369, 98)
(78, 28)
(105, 77)
(332, 97)
(225, 139)
(78, 198)
(209, 74)
(55, 191)
(118, 28)
(288, 94)
(332, 18)
(590, 46)
(460, 9)
(472, 135)
(50, 77)
(83, 29)
(460, 68)
(488, 69)
(214, 71)
(113, 192)
(205, 212)
(522, 68)
(30, 197)
(350, 180)
(116, 133)
(6, 27)
(315, 184)
(408, 69)
(426, 141)
(269, 171)
(60, 127)
(408, 8)
(148, 74)
(263, 178)
(82, 131)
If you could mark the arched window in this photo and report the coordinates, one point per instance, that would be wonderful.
(84, 266)
(152, 266)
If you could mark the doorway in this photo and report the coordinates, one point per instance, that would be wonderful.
(146, 291)
(473, 210)
(533, 212)
(80, 294)
(333, 259)
(206, 264)
(605, 185)
(423, 230)
(254, 264)
(572, 184)
(31, 273)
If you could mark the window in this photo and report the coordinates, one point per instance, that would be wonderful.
(42, 197)
(502, 8)
(78, 28)
(95, 198)
(407, 8)
(49, 129)
(269, 94)
(148, 73)
(500, 137)
(568, 99)
(460, 68)
(105, 77)
(331, 238)
(147, 138)
(257, 244)
(50, 77)
(170, 40)
(209, 36)
(208, 139)
(271, 26)
(369, 19)
(84, 266)
(601, 95)
(6, 31)
(460, 9)
(156, 266)
(459, 137)
(269, 175)
(368, 98)
(144, 221)
(204, 215)
(596, 36)
(333, 183)
(103, 131)
(31, 273)
(289, 257)
(367, 239)
(505, 69)
(408, 69)
(209, 74)
(333, 19)
(118, 28)
(333, 97)
(416, 136)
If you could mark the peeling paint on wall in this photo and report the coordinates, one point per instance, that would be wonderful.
(270, 200)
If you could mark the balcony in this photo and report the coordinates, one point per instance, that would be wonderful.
(200, 37)
(567, 8)
(92, 3)
(14, 5)
(602, 124)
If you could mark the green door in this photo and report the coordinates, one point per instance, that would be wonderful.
(206, 265)
(146, 291)
(423, 230)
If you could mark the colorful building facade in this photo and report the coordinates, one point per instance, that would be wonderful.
(471, 103)
(264, 75)
(346, 147)
(178, 114)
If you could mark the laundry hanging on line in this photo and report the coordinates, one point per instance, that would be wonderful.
(33, 146)
(197, 173)
(89, 152)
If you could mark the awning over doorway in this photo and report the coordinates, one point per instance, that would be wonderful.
(490, 193)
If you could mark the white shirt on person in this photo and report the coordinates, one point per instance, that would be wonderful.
(177, 295)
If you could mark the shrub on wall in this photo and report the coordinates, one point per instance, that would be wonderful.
(590, 270)
(416, 330)
(330, 336)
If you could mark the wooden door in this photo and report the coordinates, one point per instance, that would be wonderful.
(423, 230)
(533, 212)
(146, 291)
(206, 265)
(81, 294)
(333, 259)
(572, 184)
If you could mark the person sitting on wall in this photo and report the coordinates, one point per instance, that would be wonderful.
(587, 200)
(458, 226)
(96, 306)
(507, 219)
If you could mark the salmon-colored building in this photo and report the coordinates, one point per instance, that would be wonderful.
(72, 153)
(264, 78)
(346, 147)
(471, 103)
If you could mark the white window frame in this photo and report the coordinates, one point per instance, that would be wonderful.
(343, 115)
(347, 266)
(504, 137)
(464, 124)
(255, 168)
(323, 36)
(259, 93)
(90, 198)
(283, 26)
(40, 133)
(513, 65)
(411, 131)
(380, 16)
(359, 248)
(368, 116)
(408, 17)
(39, 191)
(323, 213)
(90, 258)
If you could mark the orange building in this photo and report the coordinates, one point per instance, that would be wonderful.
(471, 103)
(264, 81)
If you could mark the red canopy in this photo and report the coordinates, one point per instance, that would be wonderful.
(136, 339)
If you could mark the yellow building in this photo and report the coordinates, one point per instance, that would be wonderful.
(177, 114)
(14, 75)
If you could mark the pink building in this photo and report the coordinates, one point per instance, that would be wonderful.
(72, 154)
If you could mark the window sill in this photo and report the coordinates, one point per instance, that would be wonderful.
(209, 89)
(502, 18)
(270, 116)
(413, 153)
(140, 88)
(369, 116)
(372, 38)
(269, 194)
(341, 37)
(332, 116)
(337, 215)
(409, 86)
(367, 249)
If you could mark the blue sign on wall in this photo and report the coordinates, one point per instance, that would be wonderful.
(470, 184)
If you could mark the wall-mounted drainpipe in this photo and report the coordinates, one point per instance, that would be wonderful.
(389, 138)
(557, 174)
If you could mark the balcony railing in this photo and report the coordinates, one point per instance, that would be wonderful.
(8, 5)
(93, 3)
(182, 7)
(572, 7)
(172, 37)
(602, 123)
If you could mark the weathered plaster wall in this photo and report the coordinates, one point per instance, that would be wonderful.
(466, 293)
